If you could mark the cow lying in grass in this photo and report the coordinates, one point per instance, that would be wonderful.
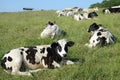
(111, 10)
(51, 30)
(35, 58)
(99, 35)
(90, 15)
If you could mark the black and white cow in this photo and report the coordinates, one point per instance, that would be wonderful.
(99, 35)
(78, 17)
(111, 10)
(35, 58)
(90, 15)
(51, 30)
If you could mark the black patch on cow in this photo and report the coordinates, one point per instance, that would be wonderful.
(22, 49)
(98, 38)
(53, 51)
(69, 44)
(51, 23)
(23, 67)
(49, 59)
(9, 58)
(4, 60)
(113, 38)
(81, 14)
(103, 41)
(114, 10)
(92, 14)
(102, 30)
(93, 41)
(31, 54)
(52, 55)
(99, 33)
(42, 50)
(21, 53)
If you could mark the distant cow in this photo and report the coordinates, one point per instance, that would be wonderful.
(85, 16)
(90, 15)
(78, 17)
(90, 10)
(111, 10)
(24, 60)
(61, 13)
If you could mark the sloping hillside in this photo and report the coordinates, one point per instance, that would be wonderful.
(23, 29)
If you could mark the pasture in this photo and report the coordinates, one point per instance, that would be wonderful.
(19, 29)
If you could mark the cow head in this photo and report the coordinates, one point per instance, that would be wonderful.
(93, 27)
(61, 47)
(50, 23)
(92, 15)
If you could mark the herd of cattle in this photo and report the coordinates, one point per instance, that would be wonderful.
(80, 14)
(25, 60)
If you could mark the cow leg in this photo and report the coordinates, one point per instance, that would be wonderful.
(89, 45)
(21, 73)
(16, 70)
(55, 64)
(68, 62)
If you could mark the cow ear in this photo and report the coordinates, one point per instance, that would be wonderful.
(49, 22)
(100, 25)
(70, 43)
(54, 45)
(94, 24)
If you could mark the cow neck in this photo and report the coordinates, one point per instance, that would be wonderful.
(56, 57)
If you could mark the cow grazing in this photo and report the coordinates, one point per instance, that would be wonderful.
(24, 60)
(99, 35)
(51, 30)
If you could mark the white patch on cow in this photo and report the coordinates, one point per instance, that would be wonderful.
(62, 43)
(56, 65)
(78, 17)
(68, 62)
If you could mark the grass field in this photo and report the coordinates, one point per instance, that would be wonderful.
(23, 29)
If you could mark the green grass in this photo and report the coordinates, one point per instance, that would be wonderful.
(23, 29)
